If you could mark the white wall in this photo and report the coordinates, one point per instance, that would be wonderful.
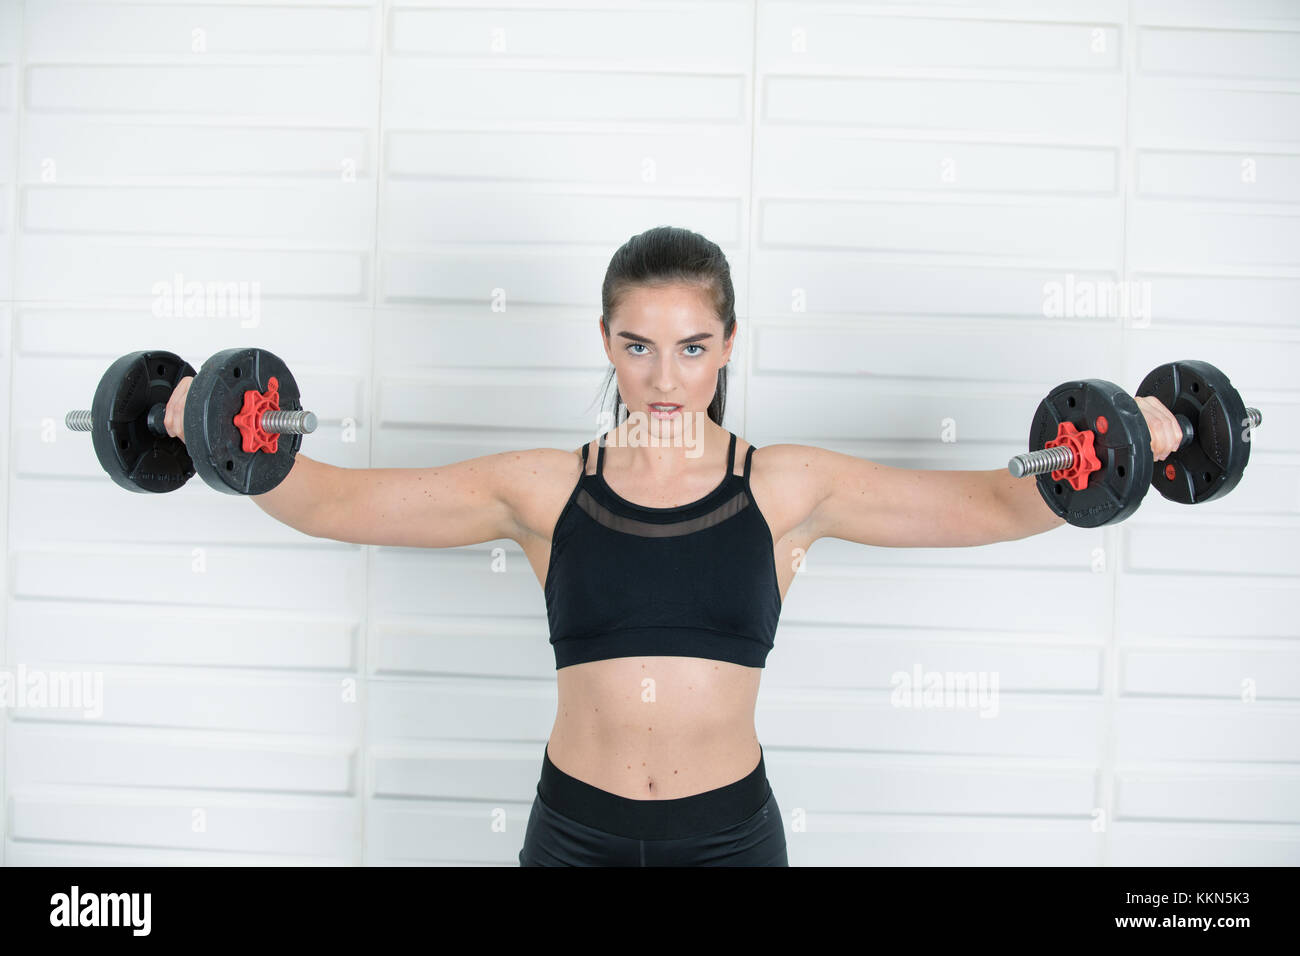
(893, 185)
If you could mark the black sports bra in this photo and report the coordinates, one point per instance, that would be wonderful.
(694, 581)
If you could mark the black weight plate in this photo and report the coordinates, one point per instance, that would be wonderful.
(216, 396)
(135, 457)
(1212, 462)
(1116, 489)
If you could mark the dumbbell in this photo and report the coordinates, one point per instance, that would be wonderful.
(1090, 447)
(239, 405)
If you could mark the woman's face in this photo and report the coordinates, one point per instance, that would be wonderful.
(666, 346)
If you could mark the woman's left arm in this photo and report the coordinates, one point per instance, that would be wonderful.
(869, 503)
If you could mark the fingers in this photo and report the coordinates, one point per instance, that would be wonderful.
(1166, 433)
(174, 417)
(1159, 425)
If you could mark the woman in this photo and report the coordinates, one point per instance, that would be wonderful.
(665, 551)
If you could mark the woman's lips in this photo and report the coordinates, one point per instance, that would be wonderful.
(656, 413)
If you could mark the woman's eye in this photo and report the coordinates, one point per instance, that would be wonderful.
(638, 345)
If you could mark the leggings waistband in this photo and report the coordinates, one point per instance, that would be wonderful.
(674, 819)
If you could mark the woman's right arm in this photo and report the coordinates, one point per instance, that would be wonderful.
(461, 503)
(466, 502)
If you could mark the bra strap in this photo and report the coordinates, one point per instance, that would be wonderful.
(600, 455)
(585, 446)
(749, 456)
(731, 454)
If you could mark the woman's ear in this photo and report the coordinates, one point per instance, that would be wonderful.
(604, 337)
(726, 352)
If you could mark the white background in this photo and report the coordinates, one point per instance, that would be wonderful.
(914, 173)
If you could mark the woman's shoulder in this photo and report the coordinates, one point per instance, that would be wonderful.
(782, 458)
(788, 481)
(540, 481)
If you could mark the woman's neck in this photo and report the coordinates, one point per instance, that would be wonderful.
(663, 457)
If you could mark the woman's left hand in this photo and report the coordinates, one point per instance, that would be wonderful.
(1166, 435)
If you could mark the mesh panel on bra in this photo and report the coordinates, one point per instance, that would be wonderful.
(672, 529)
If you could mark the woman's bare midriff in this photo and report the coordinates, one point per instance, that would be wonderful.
(656, 728)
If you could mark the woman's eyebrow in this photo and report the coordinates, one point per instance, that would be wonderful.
(690, 338)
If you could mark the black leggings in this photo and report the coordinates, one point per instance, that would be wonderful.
(573, 823)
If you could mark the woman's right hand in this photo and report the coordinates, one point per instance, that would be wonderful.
(174, 419)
